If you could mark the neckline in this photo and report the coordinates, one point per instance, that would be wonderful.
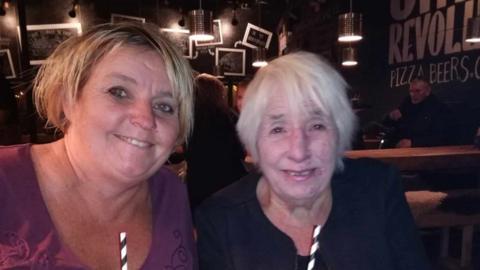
(47, 218)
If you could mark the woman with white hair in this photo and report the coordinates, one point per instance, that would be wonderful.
(296, 123)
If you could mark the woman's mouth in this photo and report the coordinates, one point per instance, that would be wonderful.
(134, 142)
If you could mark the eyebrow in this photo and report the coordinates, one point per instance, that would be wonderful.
(128, 79)
(122, 77)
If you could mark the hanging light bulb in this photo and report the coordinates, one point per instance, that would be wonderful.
(349, 26)
(259, 55)
(349, 56)
(234, 18)
(259, 58)
(201, 24)
(181, 22)
(473, 30)
(73, 12)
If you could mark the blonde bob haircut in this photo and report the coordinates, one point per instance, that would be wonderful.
(303, 78)
(60, 80)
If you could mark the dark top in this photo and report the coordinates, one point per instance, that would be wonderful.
(425, 124)
(370, 226)
(29, 240)
(214, 154)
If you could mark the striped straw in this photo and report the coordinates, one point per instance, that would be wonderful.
(315, 246)
(123, 251)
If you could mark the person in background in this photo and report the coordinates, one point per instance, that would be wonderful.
(122, 95)
(420, 121)
(241, 88)
(9, 130)
(476, 140)
(214, 153)
(296, 123)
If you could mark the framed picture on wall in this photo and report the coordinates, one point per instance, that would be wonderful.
(181, 37)
(116, 18)
(7, 64)
(231, 60)
(217, 35)
(42, 39)
(256, 37)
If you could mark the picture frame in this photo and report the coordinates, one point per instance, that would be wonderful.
(217, 34)
(42, 39)
(256, 37)
(181, 37)
(7, 64)
(231, 60)
(116, 18)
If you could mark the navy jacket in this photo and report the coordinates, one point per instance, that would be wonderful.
(370, 226)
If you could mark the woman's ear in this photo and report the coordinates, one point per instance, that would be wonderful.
(67, 108)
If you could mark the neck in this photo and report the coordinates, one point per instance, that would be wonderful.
(300, 213)
(105, 199)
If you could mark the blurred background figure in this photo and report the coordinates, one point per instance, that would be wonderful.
(421, 119)
(214, 153)
(9, 128)
(122, 95)
(476, 140)
(241, 88)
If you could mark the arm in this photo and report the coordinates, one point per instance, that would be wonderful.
(211, 252)
(405, 245)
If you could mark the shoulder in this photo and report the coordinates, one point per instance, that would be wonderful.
(365, 173)
(240, 193)
(166, 179)
(14, 159)
(14, 153)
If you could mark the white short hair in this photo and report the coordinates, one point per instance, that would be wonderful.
(302, 76)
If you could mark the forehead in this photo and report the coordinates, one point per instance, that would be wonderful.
(418, 86)
(286, 104)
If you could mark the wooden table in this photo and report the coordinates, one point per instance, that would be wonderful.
(425, 158)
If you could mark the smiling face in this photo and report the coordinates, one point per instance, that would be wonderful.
(125, 123)
(297, 150)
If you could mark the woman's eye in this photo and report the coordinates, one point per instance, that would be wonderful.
(318, 126)
(165, 108)
(276, 130)
(117, 92)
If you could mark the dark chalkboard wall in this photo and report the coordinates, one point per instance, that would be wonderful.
(402, 39)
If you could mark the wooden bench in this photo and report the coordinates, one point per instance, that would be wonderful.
(447, 209)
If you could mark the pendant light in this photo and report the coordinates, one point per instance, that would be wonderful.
(260, 53)
(473, 30)
(259, 58)
(349, 56)
(201, 24)
(349, 26)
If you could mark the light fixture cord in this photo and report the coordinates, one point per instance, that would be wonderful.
(259, 6)
(200, 4)
(350, 6)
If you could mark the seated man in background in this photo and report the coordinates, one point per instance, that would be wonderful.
(421, 120)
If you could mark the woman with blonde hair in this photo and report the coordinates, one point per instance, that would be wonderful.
(122, 96)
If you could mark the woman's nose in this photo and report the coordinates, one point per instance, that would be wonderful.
(299, 146)
(143, 116)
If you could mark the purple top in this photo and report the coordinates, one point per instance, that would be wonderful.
(28, 238)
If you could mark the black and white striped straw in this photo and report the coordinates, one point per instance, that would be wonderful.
(123, 251)
(315, 246)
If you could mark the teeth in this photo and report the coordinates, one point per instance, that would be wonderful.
(300, 173)
(135, 142)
